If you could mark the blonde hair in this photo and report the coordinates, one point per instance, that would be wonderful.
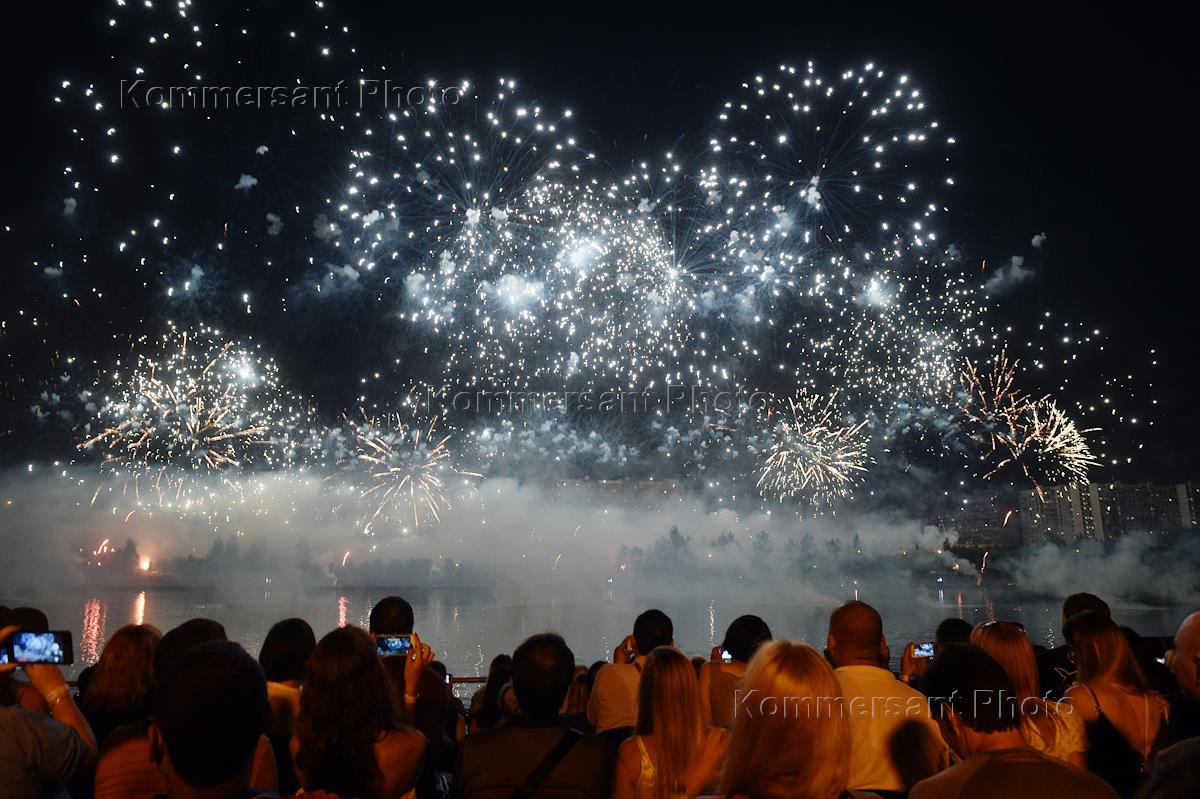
(1102, 653)
(669, 709)
(1010, 647)
(790, 735)
(124, 677)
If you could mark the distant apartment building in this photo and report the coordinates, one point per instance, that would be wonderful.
(1102, 512)
(982, 522)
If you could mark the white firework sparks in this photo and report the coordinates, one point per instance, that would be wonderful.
(811, 454)
(406, 467)
(187, 407)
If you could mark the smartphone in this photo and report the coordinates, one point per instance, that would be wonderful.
(49, 647)
(388, 645)
(923, 650)
(447, 679)
(726, 657)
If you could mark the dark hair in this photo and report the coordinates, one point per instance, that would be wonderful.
(392, 615)
(543, 667)
(286, 649)
(499, 672)
(744, 635)
(211, 708)
(970, 680)
(123, 681)
(192, 632)
(32, 620)
(347, 702)
(952, 631)
(652, 628)
(1078, 603)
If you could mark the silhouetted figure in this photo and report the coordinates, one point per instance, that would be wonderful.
(536, 753)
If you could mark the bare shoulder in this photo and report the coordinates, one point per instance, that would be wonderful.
(402, 742)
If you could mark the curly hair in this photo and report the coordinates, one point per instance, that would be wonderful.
(348, 703)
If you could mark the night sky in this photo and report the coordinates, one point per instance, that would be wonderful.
(1073, 125)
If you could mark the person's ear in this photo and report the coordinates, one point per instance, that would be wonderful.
(830, 642)
(158, 747)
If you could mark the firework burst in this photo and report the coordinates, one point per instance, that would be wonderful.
(405, 466)
(811, 454)
(187, 407)
(1033, 434)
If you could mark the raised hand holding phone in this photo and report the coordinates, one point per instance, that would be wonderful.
(415, 663)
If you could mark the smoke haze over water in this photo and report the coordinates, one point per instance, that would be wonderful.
(296, 531)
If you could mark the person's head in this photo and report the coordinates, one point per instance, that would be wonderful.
(790, 736)
(951, 631)
(1010, 647)
(669, 709)
(651, 629)
(1078, 603)
(32, 620)
(1186, 661)
(542, 669)
(209, 711)
(743, 636)
(123, 681)
(856, 635)
(971, 697)
(499, 673)
(178, 640)
(593, 670)
(286, 649)
(392, 615)
(1102, 654)
(348, 701)
(577, 696)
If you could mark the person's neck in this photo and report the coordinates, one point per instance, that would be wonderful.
(859, 661)
(997, 741)
(237, 785)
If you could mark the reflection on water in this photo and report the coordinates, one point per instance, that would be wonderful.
(91, 636)
(468, 627)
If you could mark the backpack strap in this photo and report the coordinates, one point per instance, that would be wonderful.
(535, 779)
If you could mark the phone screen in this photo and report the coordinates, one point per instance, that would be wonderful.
(388, 645)
(924, 650)
(49, 647)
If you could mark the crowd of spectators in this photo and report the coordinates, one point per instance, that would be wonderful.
(190, 715)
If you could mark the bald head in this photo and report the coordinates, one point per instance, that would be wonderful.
(856, 635)
(1186, 663)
